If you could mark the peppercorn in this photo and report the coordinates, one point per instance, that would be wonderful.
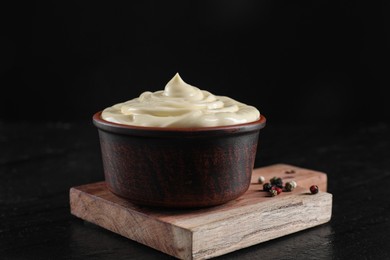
(267, 186)
(273, 192)
(261, 179)
(276, 181)
(279, 190)
(290, 185)
(294, 184)
(314, 189)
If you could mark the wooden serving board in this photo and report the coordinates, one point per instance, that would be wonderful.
(205, 233)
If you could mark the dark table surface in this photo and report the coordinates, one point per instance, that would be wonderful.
(39, 162)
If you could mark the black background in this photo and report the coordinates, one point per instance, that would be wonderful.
(298, 62)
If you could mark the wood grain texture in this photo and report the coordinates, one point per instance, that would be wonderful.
(204, 233)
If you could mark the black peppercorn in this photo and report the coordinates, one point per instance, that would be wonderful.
(267, 186)
(276, 181)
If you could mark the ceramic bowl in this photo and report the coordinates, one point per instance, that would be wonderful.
(178, 167)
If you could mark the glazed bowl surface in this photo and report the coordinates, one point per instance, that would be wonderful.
(178, 167)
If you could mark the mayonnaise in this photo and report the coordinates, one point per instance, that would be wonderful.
(180, 105)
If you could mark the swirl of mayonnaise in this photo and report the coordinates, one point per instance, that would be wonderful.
(180, 105)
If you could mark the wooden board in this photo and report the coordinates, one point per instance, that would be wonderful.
(253, 218)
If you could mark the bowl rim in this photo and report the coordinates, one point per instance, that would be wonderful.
(102, 124)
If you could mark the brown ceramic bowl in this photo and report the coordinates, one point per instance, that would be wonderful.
(178, 167)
